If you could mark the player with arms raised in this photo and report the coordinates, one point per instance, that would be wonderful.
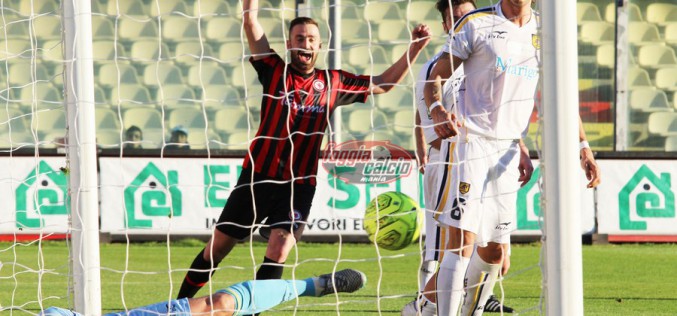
(498, 47)
(278, 176)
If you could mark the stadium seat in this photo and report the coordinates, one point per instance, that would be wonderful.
(192, 53)
(423, 11)
(108, 139)
(649, 100)
(362, 121)
(656, 56)
(663, 123)
(16, 140)
(131, 30)
(206, 73)
(55, 139)
(224, 30)
(25, 72)
(238, 140)
(397, 99)
(112, 75)
(376, 11)
(169, 7)
(671, 34)
(16, 29)
(134, 8)
(587, 12)
(404, 122)
(49, 121)
(666, 78)
(393, 31)
(144, 118)
(232, 53)
(180, 29)
(208, 9)
(13, 121)
(42, 7)
(605, 55)
(199, 140)
(191, 118)
(362, 56)
(149, 50)
(671, 143)
(381, 136)
(100, 96)
(177, 96)
(245, 80)
(216, 97)
(643, 33)
(661, 13)
(47, 27)
(14, 50)
(638, 77)
(41, 95)
(106, 119)
(349, 10)
(162, 73)
(106, 51)
(358, 30)
(598, 33)
(231, 120)
(102, 28)
(275, 29)
(128, 96)
(634, 13)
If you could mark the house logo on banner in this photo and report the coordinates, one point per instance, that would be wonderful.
(43, 193)
(529, 204)
(645, 196)
(151, 194)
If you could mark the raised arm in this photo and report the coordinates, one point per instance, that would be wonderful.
(258, 43)
(421, 156)
(445, 125)
(588, 162)
(420, 36)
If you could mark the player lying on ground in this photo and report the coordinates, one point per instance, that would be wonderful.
(245, 298)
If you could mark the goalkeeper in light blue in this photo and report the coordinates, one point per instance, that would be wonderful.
(245, 298)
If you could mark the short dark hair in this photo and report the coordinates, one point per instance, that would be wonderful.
(302, 20)
(443, 5)
(131, 130)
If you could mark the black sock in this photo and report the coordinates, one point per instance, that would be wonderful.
(194, 279)
(270, 270)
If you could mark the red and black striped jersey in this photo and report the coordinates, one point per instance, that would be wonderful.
(295, 111)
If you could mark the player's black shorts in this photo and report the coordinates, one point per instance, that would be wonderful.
(272, 200)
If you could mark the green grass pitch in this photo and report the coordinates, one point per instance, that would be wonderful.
(618, 279)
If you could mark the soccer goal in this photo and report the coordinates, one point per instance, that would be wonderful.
(130, 119)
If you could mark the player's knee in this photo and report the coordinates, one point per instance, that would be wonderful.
(279, 245)
(491, 253)
(222, 303)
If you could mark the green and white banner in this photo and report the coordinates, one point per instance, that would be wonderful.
(638, 198)
(34, 196)
(186, 196)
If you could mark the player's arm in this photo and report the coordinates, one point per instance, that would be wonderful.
(420, 36)
(445, 125)
(256, 37)
(421, 156)
(588, 162)
(525, 167)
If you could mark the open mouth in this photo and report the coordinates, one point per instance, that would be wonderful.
(305, 56)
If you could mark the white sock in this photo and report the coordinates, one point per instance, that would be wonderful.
(450, 283)
(426, 272)
(481, 277)
(427, 307)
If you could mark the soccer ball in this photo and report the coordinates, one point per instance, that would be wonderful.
(393, 220)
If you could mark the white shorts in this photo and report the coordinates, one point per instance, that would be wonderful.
(435, 236)
(478, 187)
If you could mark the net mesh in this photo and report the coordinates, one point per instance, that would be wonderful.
(168, 66)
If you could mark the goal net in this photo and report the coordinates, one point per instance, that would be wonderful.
(176, 107)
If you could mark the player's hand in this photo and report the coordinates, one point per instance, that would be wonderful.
(420, 36)
(525, 167)
(589, 165)
(445, 123)
(421, 159)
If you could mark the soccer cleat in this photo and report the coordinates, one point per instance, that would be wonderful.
(493, 305)
(427, 308)
(347, 281)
